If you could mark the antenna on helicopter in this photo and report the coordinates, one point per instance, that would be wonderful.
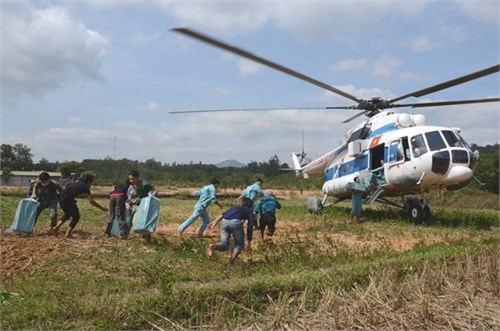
(302, 153)
(303, 160)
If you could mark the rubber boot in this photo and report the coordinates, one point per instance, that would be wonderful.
(108, 229)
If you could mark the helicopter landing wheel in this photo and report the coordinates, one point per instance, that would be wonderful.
(426, 213)
(413, 209)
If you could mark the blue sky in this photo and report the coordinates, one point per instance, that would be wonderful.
(76, 76)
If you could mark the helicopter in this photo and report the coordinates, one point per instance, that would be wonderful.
(394, 154)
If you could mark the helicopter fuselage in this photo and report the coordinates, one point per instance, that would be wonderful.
(416, 157)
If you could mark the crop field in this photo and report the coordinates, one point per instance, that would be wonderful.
(318, 272)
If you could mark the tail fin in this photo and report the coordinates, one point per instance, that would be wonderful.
(298, 167)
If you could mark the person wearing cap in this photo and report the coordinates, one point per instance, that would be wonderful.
(206, 196)
(233, 220)
(266, 208)
(46, 192)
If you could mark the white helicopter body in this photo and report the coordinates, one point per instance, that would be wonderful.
(417, 157)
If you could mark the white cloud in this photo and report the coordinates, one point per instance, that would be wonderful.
(45, 49)
(334, 19)
(221, 17)
(422, 44)
(112, 4)
(482, 10)
(360, 93)
(248, 68)
(385, 65)
(453, 33)
(153, 106)
(142, 38)
(348, 64)
(75, 120)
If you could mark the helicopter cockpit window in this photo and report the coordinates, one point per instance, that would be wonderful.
(360, 133)
(451, 138)
(396, 152)
(418, 145)
(435, 140)
(463, 141)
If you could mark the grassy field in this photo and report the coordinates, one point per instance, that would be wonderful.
(319, 272)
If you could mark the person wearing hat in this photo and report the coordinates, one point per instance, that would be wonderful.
(266, 208)
(206, 196)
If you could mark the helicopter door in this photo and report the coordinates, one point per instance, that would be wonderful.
(376, 156)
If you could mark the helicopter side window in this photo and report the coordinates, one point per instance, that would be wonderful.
(451, 138)
(418, 145)
(435, 141)
(396, 152)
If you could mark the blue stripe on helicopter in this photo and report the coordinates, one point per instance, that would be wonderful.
(348, 168)
(382, 129)
(359, 163)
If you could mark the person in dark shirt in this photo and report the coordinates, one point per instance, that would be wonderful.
(68, 204)
(232, 224)
(117, 209)
(266, 207)
(46, 192)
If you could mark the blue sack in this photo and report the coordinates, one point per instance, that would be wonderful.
(147, 215)
(24, 221)
(115, 229)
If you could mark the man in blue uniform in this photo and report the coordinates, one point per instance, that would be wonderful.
(252, 192)
(207, 195)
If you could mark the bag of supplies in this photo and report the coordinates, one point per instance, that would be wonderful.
(147, 215)
(115, 230)
(24, 221)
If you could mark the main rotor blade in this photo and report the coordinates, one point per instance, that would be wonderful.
(241, 109)
(446, 103)
(353, 117)
(263, 61)
(450, 83)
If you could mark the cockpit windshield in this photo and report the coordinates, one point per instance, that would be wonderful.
(452, 139)
(435, 141)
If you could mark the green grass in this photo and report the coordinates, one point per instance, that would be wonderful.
(99, 283)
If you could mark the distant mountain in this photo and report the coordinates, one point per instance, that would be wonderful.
(230, 163)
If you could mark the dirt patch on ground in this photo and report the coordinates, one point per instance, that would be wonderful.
(21, 254)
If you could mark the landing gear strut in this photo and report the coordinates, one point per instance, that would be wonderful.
(417, 210)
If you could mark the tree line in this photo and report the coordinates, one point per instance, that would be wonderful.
(276, 174)
(111, 172)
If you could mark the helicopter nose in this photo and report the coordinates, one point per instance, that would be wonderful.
(458, 174)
